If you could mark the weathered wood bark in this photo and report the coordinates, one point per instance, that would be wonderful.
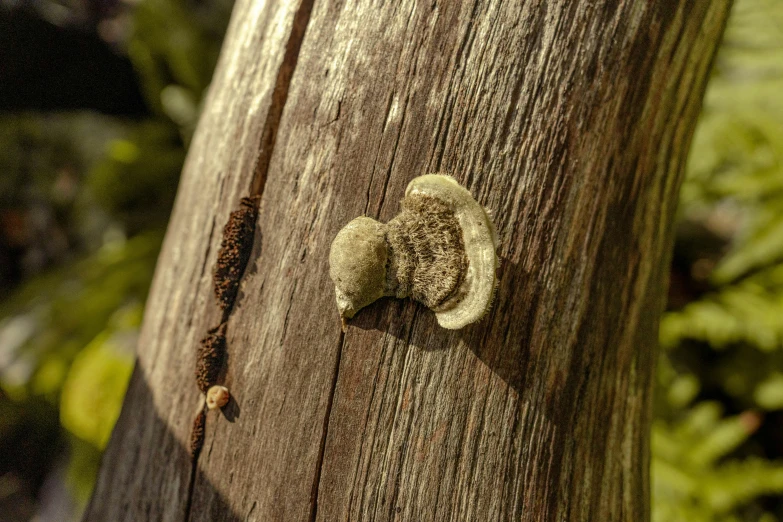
(569, 119)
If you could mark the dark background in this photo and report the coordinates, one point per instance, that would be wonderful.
(98, 101)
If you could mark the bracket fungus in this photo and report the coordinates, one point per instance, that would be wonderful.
(439, 250)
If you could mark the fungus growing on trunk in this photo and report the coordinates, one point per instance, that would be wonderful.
(440, 251)
(235, 251)
(197, 433)
(210, 356)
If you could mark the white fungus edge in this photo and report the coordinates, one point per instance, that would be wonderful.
(480, 239)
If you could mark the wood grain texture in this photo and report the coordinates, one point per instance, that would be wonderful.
(569, 119)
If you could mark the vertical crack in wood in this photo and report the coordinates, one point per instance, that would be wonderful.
(191, 484)
(252, 508)
(268, 138)
(325, 431)
(280, 96)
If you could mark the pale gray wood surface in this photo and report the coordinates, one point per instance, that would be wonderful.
(570, 120)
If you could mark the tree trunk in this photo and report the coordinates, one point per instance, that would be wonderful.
(569, 119)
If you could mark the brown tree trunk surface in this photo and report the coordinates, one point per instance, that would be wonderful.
(569, 119)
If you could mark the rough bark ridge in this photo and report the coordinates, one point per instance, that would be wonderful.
(569, 119)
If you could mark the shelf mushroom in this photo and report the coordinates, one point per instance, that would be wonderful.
(439, 250)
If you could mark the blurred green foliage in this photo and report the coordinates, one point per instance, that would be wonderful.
(717, 438)
(87, 197)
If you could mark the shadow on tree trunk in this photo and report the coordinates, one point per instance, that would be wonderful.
(154, 488)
